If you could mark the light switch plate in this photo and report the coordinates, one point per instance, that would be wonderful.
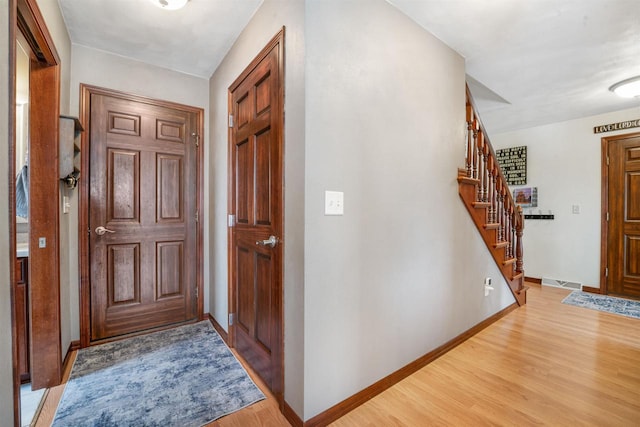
(333, 203)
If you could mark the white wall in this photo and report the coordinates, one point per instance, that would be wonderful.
(564, 163)
(6, 356)
(402, 271)
(266, 22)
(99, 68)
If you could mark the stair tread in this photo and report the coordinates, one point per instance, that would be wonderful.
(492, 225)
(481, 205)
(524, 289)
(500, 245)
(467, 180)
(508, 261)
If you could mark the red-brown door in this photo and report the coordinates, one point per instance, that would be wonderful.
(142, 216)
(255, 200)
(624, 216)
(623, 246)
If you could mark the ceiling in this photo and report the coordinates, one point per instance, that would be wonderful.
(535, 62)
(529, 62)
(192, 40)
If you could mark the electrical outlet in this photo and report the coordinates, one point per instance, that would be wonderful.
(487, 286)
(333, 203)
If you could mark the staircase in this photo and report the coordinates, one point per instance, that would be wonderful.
(485, 193)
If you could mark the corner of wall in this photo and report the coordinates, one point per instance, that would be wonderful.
(6, 345)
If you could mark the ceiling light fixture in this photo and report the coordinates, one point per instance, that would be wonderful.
(628, 88)
(169, 4)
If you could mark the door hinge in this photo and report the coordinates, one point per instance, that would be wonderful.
(232, 319)
(231, 220)
(606, 272)
(197, 138)
(196, 291)
(89, 231)
(607, 160)
(607, 216)
(230, 120)
(197, 216)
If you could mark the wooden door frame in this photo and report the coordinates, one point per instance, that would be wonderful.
(83, 199)
(604, 223)
(13, 29)
(277, 40)
(44, 265)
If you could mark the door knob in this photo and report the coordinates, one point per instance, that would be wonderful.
(271, 241)
(102, 230)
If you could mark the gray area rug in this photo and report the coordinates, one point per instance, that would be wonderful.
(184, 376)
(624, 307)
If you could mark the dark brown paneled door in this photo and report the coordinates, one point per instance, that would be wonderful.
(624, 217)
(142, 216)
(256, 202)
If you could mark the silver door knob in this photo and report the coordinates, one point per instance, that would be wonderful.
(271, 241)
(102, 230)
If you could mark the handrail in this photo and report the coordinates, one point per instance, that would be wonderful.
(492, 188)
(492, 153)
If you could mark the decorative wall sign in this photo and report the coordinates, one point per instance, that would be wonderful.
(538, 216)
(513, 162)
(527, 197)
(617, 126)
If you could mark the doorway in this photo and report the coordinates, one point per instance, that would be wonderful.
(30, 399)
(38, 269)
(620, 269)
(141, 252)
(256, 211)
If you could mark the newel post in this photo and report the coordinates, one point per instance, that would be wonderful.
(519, 232)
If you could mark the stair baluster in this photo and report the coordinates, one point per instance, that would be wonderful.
(481, 165)
(519, 233)
(468, 160)
(500, 234)
(474, 150)
(507, 227)
(493, 199)
(485, 170)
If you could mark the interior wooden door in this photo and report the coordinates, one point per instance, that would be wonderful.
(45, 347)
(142, 216)
(624, 216)
(255, 201)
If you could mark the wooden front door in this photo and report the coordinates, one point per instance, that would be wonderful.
(142, 215)
(255, 201)
(624, 216)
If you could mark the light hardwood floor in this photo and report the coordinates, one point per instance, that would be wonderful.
(544, 364)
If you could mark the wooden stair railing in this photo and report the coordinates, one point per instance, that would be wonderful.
(486, 195)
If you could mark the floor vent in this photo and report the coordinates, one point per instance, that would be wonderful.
(546, 281)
